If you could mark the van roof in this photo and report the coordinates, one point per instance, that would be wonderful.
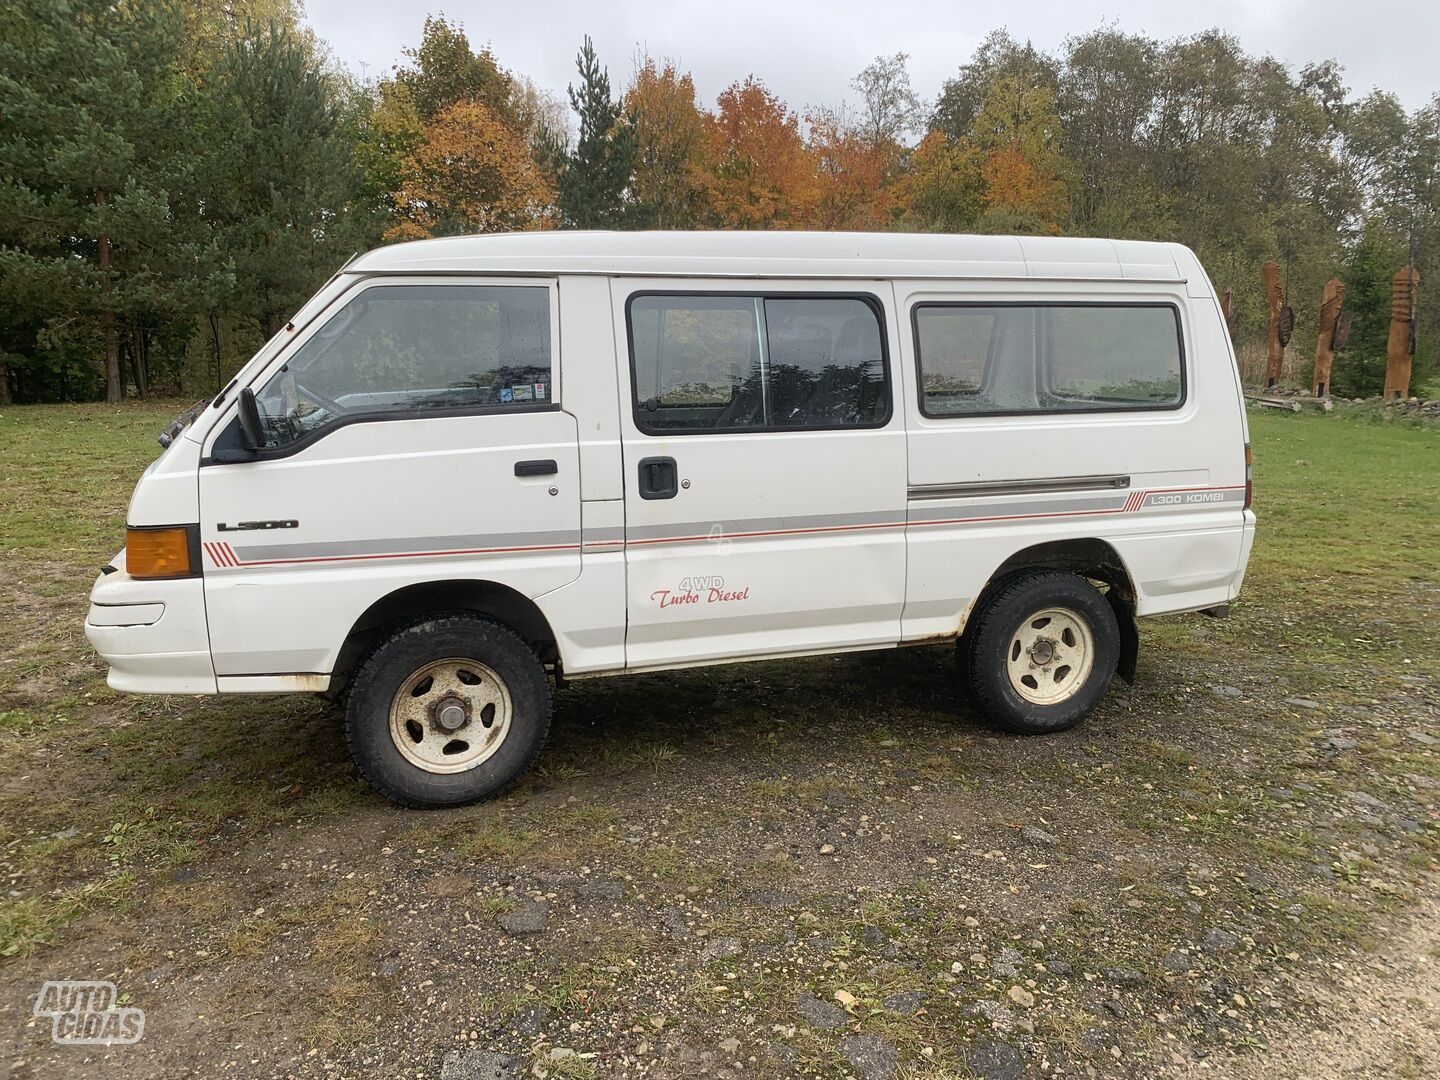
(786, 254)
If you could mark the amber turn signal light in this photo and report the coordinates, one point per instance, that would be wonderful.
(158, 553)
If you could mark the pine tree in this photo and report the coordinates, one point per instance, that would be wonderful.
(284, 185)
(92, 251)
(595, 177)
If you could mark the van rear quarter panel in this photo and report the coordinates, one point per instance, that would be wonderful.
(1178, 524)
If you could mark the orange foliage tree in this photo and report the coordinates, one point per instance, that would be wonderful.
(471, 173)
(1016, 191)
(853, 175)
(668, 182)
(760, 174)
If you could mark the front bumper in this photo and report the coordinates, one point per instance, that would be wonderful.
(151, 633)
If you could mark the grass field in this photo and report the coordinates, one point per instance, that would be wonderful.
(806, 867)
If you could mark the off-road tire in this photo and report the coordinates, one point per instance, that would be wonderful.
(381, 675)
(985, 654)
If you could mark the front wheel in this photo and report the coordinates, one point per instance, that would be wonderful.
(448, 711)
(1041, 653)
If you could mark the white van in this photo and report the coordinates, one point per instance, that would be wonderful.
(473, 465)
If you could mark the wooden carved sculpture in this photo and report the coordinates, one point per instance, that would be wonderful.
(1275, 296)
(1404, 291)
(1331, 301)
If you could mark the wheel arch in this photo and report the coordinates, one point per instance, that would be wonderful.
(423, 599)
(1090, 557)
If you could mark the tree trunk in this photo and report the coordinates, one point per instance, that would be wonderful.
(114, 387)
(1331, 301)
(215, 346)
(142, 361)
(5, 397)
(1404, 291)
(1275, 295)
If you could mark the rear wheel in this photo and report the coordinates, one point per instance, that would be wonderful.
(1041, 654)
(447, 712)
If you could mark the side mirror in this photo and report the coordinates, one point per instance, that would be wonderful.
(252, 433)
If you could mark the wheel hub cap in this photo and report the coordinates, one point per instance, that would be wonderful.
(1051, 655)
(450, 715)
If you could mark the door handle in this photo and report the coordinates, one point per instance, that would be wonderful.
(543, 467)
(659, 478)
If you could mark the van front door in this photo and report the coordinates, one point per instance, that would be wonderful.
(764, 466)
(413, 437)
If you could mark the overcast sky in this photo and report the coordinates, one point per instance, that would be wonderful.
(808, 52)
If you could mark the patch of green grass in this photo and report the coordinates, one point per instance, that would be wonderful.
(26, 923)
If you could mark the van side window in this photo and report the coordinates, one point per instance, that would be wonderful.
(407, 349)
(759, 363)
(979, 360)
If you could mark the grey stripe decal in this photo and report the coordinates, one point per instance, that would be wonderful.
(613, 534)
(616, 536)
(919, 515)
(1019, 487)
(404, 545)
(720, 530)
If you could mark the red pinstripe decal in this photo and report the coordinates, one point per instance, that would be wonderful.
(1133, 502)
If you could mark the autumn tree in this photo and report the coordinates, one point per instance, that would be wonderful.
(760, 174)
(943, 189)
(444, 70)
(535, 112)
(1018, 131)
(471, 173)
(389, 131)
(595, 176)
(889, 107)
(853, 186)
(667, 185)
(210, 26)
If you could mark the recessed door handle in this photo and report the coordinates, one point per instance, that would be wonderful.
(545, 467)
(659, 478)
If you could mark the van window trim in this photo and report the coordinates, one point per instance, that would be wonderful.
(871, 300)
(226, 439)
(1175, 406)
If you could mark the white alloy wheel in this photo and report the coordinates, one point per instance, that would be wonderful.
(1050, 656)
(450, 715)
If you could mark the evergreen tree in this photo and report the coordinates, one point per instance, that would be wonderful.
(1360, 367)
(595, 177)
(94, 258)
(284, 186)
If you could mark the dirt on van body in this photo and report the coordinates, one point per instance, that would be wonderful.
(820, 867)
